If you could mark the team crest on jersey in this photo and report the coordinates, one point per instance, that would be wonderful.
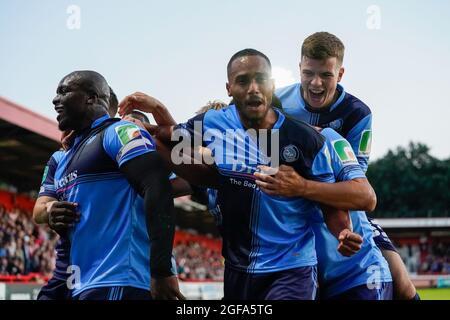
(344, 151)
(127, 132)
(336, 124)
(290, 153)
(365, 144)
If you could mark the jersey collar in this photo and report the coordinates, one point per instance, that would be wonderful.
(94, 124)
(99, 121)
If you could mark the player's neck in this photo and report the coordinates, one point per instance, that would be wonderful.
(88, 120)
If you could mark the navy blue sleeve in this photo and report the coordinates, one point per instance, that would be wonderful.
(48, 178)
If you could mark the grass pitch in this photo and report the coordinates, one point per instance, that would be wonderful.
(434, 294)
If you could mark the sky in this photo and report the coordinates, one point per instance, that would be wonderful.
(397, 57)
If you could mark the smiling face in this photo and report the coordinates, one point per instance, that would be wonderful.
(319, 80)
(251, 86)
(70, 103)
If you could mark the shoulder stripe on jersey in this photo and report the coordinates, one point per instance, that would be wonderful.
(134, 144)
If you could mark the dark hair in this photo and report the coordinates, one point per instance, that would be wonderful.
(245, 53)
(323, 45)
(113, 103)
(140, 116)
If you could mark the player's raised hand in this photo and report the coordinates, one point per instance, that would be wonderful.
(138, 101)
(283, 181)
(151, 128)
(166, 289)
(349, 243)
(62, 215)
(135, 121)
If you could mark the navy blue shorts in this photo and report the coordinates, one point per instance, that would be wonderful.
(55, 289)
(293, 284)
(380, 237)
(114, 293)
(384, 291)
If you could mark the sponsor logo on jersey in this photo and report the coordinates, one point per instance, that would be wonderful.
(127, 132)
(344, 151)
(44, 176)
(365, 143)
(290, 153)
(67, 178)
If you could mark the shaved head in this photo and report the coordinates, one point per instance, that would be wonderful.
(91, 82)
(81, 97)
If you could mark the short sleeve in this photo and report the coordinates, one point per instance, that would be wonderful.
(343, 160)
(124, 141)
(321, 169)
(48, 177)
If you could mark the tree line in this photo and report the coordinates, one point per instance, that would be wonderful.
(409, 182)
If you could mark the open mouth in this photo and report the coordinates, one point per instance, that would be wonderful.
(316, 96)
(254, 103)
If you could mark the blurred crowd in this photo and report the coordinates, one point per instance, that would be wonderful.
(29, 248)
(429, 256)
(24, 247)
(196, 261)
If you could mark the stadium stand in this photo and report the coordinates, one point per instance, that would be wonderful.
(27, 252)
(198, 257)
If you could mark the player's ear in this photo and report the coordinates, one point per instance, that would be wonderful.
(227, 85)
(300, 64)
(341, 73)
(91, 98)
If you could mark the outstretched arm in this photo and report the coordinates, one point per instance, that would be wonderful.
(146, 103)
(197, 174)
(286, 182)
(356, 194)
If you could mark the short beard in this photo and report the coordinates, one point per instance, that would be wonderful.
(252, 122)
